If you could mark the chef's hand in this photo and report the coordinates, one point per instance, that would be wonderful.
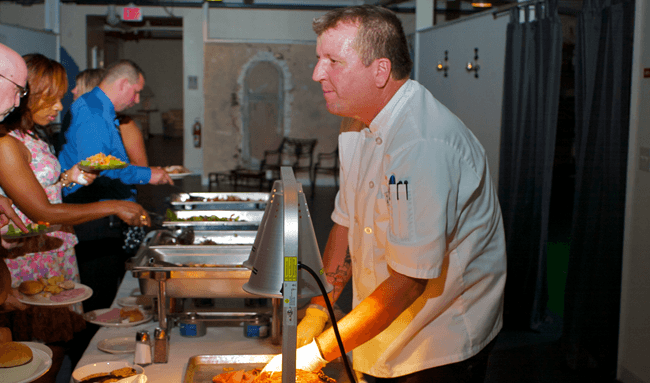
(311, 325)
(308, 358)
(159, 176)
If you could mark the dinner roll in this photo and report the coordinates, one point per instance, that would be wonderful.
(14, 354)
(31, 287)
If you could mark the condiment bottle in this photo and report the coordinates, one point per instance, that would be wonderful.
(142, 348)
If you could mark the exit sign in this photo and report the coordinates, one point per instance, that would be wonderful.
(131, 14)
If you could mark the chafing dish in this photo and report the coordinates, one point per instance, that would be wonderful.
(241, 219)
(219, 201)
(191, 271)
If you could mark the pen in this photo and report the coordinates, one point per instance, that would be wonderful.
(397, 187)
(406, 184)
(392, 180)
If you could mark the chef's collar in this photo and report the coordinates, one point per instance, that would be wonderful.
(384, 119)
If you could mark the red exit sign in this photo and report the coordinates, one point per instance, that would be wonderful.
(131, 14)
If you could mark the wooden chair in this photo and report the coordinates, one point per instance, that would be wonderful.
(295, 152)
(327, 163)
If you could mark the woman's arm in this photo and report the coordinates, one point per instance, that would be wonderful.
(20, 184)
(134, 143)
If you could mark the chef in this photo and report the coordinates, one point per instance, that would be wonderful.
(417, 221)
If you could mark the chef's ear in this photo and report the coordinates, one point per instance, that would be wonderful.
(382, 71)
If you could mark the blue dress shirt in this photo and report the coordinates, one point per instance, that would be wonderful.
(94, 129)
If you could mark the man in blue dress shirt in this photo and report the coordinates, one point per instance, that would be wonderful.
(93, 129)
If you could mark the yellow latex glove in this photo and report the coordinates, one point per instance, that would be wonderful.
(311, 326)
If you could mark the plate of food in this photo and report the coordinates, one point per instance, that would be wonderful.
(53, 292)
(118, 317)
(100, 162)
(118, 345)
(21, 363)
(177, 171)
(34, 230)
(113, 371)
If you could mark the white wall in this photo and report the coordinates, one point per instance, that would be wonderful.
(634, 336)
(476, 101)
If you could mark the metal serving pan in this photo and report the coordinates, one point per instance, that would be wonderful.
(202, 368)
(181, 236)
(219, 201)
(248, 219)
(193, 271)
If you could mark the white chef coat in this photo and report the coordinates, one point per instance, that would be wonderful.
(445, 223)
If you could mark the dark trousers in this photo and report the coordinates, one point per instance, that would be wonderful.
(101, 267)
(471, 370)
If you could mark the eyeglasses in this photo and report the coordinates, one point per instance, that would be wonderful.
(23, 90)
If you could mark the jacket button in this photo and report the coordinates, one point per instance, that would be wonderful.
(371, 184)
(378, 140)
(368, 230)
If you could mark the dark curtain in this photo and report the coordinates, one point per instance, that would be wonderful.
(529, 120)
(603, 65)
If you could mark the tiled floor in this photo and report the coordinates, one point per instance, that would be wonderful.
(519, 356)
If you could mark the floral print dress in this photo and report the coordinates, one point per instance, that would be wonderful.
(36, 322)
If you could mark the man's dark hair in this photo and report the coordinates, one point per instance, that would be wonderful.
(380, 35)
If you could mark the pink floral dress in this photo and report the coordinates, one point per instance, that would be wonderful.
(60, 261)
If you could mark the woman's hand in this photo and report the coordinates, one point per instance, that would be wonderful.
(82, 178)
(132, 213)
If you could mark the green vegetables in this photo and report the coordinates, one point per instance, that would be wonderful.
(34, 228)
(171, 216)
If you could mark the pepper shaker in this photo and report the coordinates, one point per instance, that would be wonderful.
(142, 349)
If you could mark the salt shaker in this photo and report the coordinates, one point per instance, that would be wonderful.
(142, 348)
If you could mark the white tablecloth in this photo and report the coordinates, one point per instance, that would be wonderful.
(217, 341)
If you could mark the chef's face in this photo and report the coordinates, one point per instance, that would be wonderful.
(346, 82)
(46, 113)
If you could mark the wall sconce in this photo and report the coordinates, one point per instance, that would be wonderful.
(444, 67)
(474, 66)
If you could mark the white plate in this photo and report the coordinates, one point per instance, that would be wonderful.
(39, 346)
(138, 300)
(176, 176)
(119, 345)
(94, 368)
(40, 300)
(91, 317)
(31, 371)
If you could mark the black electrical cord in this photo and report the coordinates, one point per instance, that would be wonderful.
(333, 318)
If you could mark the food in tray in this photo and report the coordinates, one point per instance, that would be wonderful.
(171, 216)
(226, 198)
(100, 161)
(132, 314)
(14, 354)
(34, 228)
(113, 376)
(257, 376)
(58, 289)
(177, 169)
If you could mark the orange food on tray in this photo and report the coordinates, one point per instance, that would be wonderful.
(257, 376)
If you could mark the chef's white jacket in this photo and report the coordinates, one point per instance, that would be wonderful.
(440, 220)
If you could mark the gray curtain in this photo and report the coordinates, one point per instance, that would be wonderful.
(529, 119)
(603, 65)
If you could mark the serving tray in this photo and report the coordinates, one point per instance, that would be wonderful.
(202, 368)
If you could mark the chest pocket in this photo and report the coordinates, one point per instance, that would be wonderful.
(400, 212)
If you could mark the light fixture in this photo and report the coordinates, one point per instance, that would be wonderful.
(481, 4)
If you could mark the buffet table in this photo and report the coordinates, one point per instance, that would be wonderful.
(217, 341)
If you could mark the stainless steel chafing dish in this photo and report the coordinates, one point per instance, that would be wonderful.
(219, 201)
(246, 219)
(192, 271)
